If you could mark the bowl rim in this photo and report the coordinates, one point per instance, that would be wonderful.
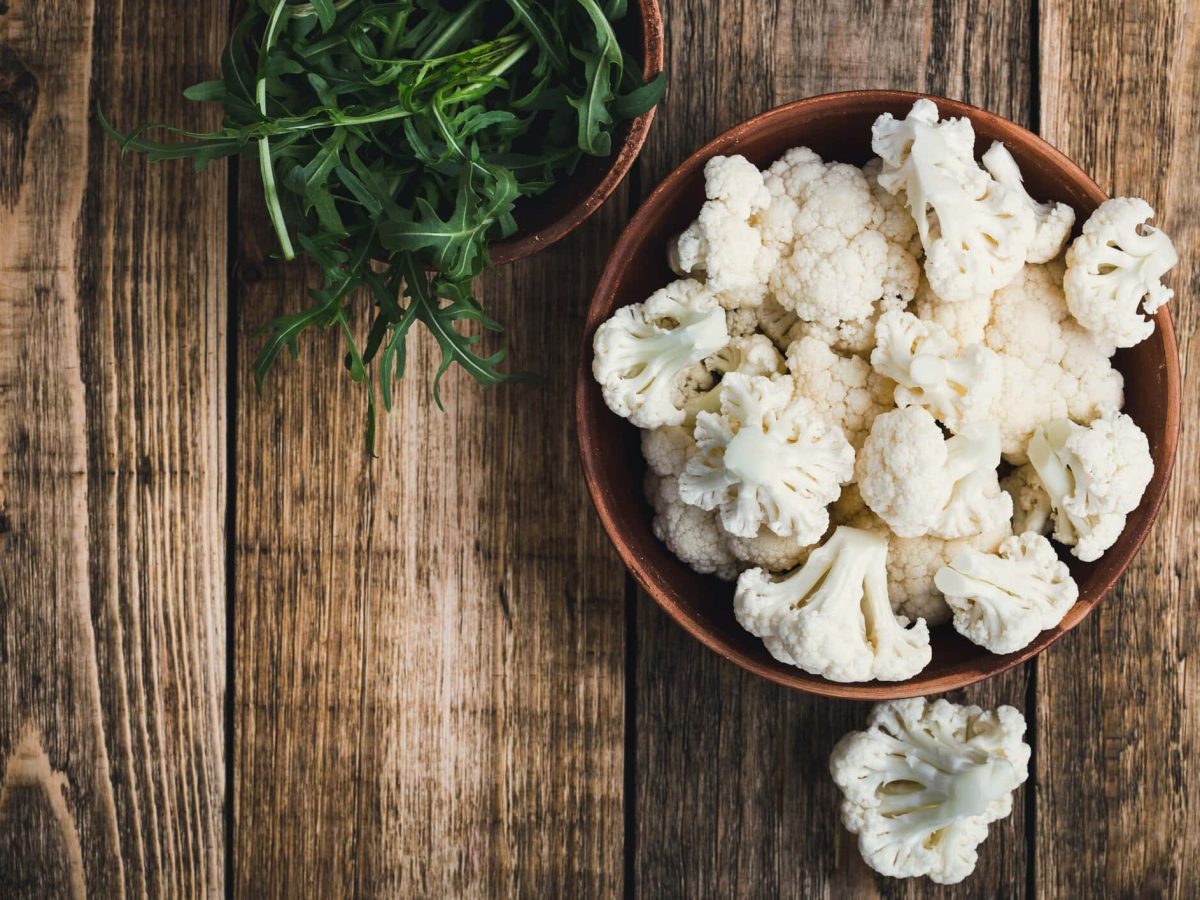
(588, 446)
(520, 245)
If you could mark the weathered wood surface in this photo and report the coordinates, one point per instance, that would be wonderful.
(112, 446)
(443, 683)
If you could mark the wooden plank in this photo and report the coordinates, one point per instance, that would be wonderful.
(112, 317)
(429, 646)
(733, 796)
(1118, 703)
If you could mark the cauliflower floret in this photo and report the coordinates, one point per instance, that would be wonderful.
(768, 550)
(957, 387)
(667, 448)
(832, 617)
(920, 483)
(1052, 367)
(836, 267)
(1115, 270)
(975, 232)
(1031, 503)
(1095, 477)
(844, 389)
(1053, 220)
(753, 355)
(722, 247)
(778, 323)
(1003, 601)
(895, 222)
(741, 322)
(690, 533)
(965, 322)
(921, 785)
(767, 458)
(644, 351)
(912, 564)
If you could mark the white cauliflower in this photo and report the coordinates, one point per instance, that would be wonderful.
(844, 389)
(690, 533)
(753, 355)
(1095, 477)
(667, 448)
(832, 617)
(1003, 601)
(965, 321)
(919, 483)
(1031, 503)
(921, 785)
(1053, 220)
(768, 457)
(912, 563)
(1115, 270)
(722, 247)
(768, 550)
(1051, 367)
(895, 222)
(643, 353)
(778, 323)
(836, 267)
(957, 386)
(975, 232)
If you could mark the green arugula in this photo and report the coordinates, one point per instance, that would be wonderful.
(395, 141)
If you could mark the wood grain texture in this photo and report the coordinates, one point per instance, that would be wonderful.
(733, 796)
(429, 647)
(112, 376)
(1119, 703)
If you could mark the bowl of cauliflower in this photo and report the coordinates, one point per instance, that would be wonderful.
(879, 393)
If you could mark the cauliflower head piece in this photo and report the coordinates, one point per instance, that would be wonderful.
(1052, 221)
(752, 355)
(643, 352)
(767, 458)
(919, 483)
(976, 233)
(723, 247)
(921, 785)
(1003, 601)
(692, 534)
(1031, 503)
(956, 386)
(845, 389)
(832, 616)
(1115, 270)
(1095, 476)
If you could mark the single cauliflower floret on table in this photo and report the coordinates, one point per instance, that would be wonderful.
(1115, 270)
(1031, 503)
(921, 785)
(1051, 367)
(965, 322)
(768, 458)
(1003, 600)
(1053, 220)
(976, 233)
(643, 353)
(912, 563)
(1094, 476)
(956, 386)
(844, 389)
(919, 483)
(753, 355)
(691, 534)
(832, 617)
(722, 247)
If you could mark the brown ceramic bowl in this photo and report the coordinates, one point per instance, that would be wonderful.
(555, 214)
(837, 126)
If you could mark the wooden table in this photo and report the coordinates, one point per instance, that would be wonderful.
(238, 656)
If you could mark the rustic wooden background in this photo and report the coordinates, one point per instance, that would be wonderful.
(238, 657)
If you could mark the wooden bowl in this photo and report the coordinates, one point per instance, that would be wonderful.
(555, 214)
(838, 126)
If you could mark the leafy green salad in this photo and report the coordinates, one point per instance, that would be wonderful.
(405, 133)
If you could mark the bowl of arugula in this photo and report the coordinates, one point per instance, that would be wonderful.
(404, 147)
